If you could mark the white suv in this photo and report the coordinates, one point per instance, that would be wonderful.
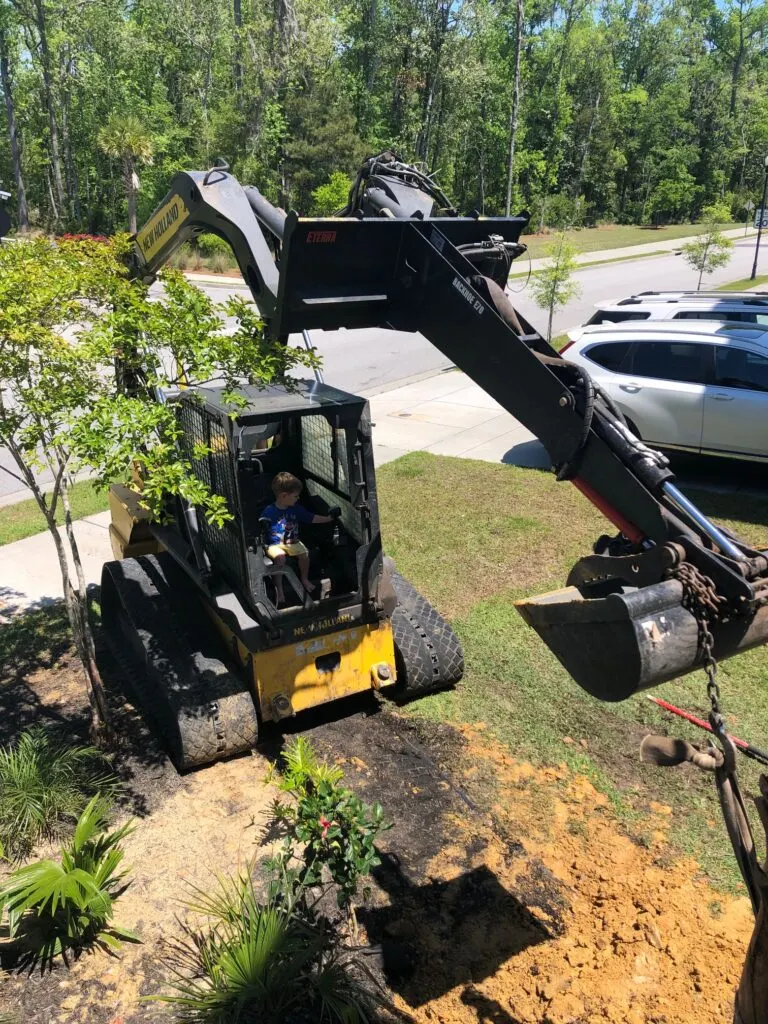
(699, 387)
(739, 307)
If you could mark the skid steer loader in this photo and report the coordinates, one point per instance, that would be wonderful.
(397, 255)
(669, 592)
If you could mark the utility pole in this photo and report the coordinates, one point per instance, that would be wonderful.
(753, 275)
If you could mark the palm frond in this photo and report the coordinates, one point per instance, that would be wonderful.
(44, 785)
(72, 899)
(259, 961)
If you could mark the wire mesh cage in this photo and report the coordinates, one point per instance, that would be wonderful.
(206, 445)
(325, 456)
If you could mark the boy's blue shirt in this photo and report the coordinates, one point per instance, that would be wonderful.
(284, 522)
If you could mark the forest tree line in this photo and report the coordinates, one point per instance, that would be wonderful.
(580, 111)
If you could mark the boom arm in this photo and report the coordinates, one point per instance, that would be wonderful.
(623, 624)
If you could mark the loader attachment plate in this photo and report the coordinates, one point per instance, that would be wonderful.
(633, 639)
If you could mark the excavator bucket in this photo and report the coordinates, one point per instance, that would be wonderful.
(634, 638)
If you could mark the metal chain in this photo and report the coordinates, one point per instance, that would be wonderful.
(701, 598)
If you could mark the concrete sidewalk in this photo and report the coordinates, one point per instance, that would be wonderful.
(449, 415)
(445, 414)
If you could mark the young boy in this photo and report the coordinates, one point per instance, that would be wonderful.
(284, 517)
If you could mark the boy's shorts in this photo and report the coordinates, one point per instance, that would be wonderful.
(287, 549)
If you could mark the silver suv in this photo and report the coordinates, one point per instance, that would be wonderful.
(700, 387)
(740, 307)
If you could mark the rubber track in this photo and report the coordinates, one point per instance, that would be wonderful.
(428, 652)
(202, 710)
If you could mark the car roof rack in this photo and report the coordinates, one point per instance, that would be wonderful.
(759, 298)
(674, 327)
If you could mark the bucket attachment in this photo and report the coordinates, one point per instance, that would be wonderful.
(634, 638)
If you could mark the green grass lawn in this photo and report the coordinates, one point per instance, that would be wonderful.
(474, 537)
(744, 284)
(613, 236)
(25, 519)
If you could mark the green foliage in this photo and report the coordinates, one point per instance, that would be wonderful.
(176, 341)
(673, 198)
(124, 136)
(44, 785)
(328, 827)
(711, 249)
(69, 318)
(212, 245)
(552, 286)
(332, 196)
(266, 961)
(71, 901)
(647, 111)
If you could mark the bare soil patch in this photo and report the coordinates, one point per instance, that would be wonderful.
(507, 892)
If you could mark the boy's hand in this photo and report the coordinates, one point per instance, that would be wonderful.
(334, 513)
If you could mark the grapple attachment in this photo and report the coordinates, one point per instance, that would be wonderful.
(634, 638)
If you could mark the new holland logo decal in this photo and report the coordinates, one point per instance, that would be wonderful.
(162, 226)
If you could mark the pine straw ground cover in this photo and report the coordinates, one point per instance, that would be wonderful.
(535, 871)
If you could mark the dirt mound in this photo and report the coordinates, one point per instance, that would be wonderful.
(585, 926)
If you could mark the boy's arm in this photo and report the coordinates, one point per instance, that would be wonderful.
(334, 514)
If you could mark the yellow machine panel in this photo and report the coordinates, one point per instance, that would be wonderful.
(162, 226)
(129, 531)
(303, 674)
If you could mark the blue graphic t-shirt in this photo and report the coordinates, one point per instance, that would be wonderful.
(284, 522)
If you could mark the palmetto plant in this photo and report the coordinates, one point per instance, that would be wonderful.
(44, 785)
(70, 902)
(261, 962)
(124, 137)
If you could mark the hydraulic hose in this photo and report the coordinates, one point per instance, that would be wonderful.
(267, 214)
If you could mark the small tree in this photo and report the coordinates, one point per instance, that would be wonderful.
(69, 316)
(711, 249)
(124, 138)
(332, 196)
(552, 286)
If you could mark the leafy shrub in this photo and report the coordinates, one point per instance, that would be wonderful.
(332, 196)
(82, 238)
(44, 785)
(181, 259)
(327, 825)
(266, 962)
(219, 263)
(72, 901)
(212, 245)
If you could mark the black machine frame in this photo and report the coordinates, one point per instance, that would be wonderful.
(233, 555)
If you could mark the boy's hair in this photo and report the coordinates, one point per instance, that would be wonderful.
(286, 483)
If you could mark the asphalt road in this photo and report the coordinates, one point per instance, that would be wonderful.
(373, 360)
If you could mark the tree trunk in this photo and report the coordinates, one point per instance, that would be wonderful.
(513, 117)
(53, 126)
(737, 64)
(70, 164)
(76, 604)
(370, 51)
(54, 208)
(237, 13)
(585, 152)
(130, 192)
(22, 212)
(100, 730)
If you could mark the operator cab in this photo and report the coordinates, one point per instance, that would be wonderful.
(315, 432)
